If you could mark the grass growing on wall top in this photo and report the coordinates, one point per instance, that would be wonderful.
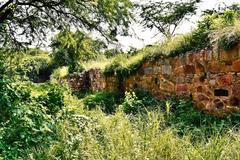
(221, 29)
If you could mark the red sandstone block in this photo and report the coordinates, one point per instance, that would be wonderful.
(176, 62)
(217, 67)
(200, 56)
(236, 66)
(229, 55)
(199, 68)
(199, 89)
(209, 55)
(213, 67)
(236, 90)
(181, 87)
(179, 71)
(190, 58)
(167, 86)
(203, 97)
(225, 80)
(189, 69)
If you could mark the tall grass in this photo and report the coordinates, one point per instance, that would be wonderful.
(92, 134)
(121, 137)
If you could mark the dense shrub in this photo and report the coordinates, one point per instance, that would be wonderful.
(11, 95)
(29, 127)
(24, 123)
(107, 101)
(132, 104)
(185, 133)
(147, 98)
(72, 49)
(33, 66)
(54, 100)
(229, 40)
(185, 118)
(60, 73)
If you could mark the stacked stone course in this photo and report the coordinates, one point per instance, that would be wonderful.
(210, 77)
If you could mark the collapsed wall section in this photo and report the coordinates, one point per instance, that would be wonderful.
(92, 80)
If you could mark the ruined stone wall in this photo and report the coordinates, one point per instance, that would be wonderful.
(212, 78)
(92, 80)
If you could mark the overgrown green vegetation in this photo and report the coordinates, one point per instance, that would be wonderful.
(220, 28)
(140, 128)
(30, 64)
(41, 118)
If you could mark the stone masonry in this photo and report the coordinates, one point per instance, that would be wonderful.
(211, 78)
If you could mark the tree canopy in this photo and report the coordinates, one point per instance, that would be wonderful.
(24, 22)
(71, 48)
(166, 16)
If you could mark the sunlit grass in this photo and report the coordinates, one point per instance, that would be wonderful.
(121, 136)
(100, 63)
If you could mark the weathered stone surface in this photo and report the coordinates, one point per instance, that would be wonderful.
(218, 103)
(214, 67)
(179, 71)
(190, 58)
(212, 82)
(180, 80)
(181, 88)
(189, 69)
(209, 55)
(167, 69)
(236, 66)
(200, 68)
(199, 89)
(229, 55)
(203, 97)
(167, 86)
(234, 101)
(201, 105)
(236, 90)
(225, 80)
(148, 70)
(156, 70)
(211, 77)
(189, 78)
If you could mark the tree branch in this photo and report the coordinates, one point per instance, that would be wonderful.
(5, 5)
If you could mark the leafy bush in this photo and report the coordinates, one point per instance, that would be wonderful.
(107, 101)
(54, 100)
(32, 66)
(24, 123)
(60, 73)
(29, 127)
(122, 66)
(147, 98)
(11, 95)
(76, 68)
(132, 104)
(81, 94)
(146, 135)
(185, 118)
(229, 40)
